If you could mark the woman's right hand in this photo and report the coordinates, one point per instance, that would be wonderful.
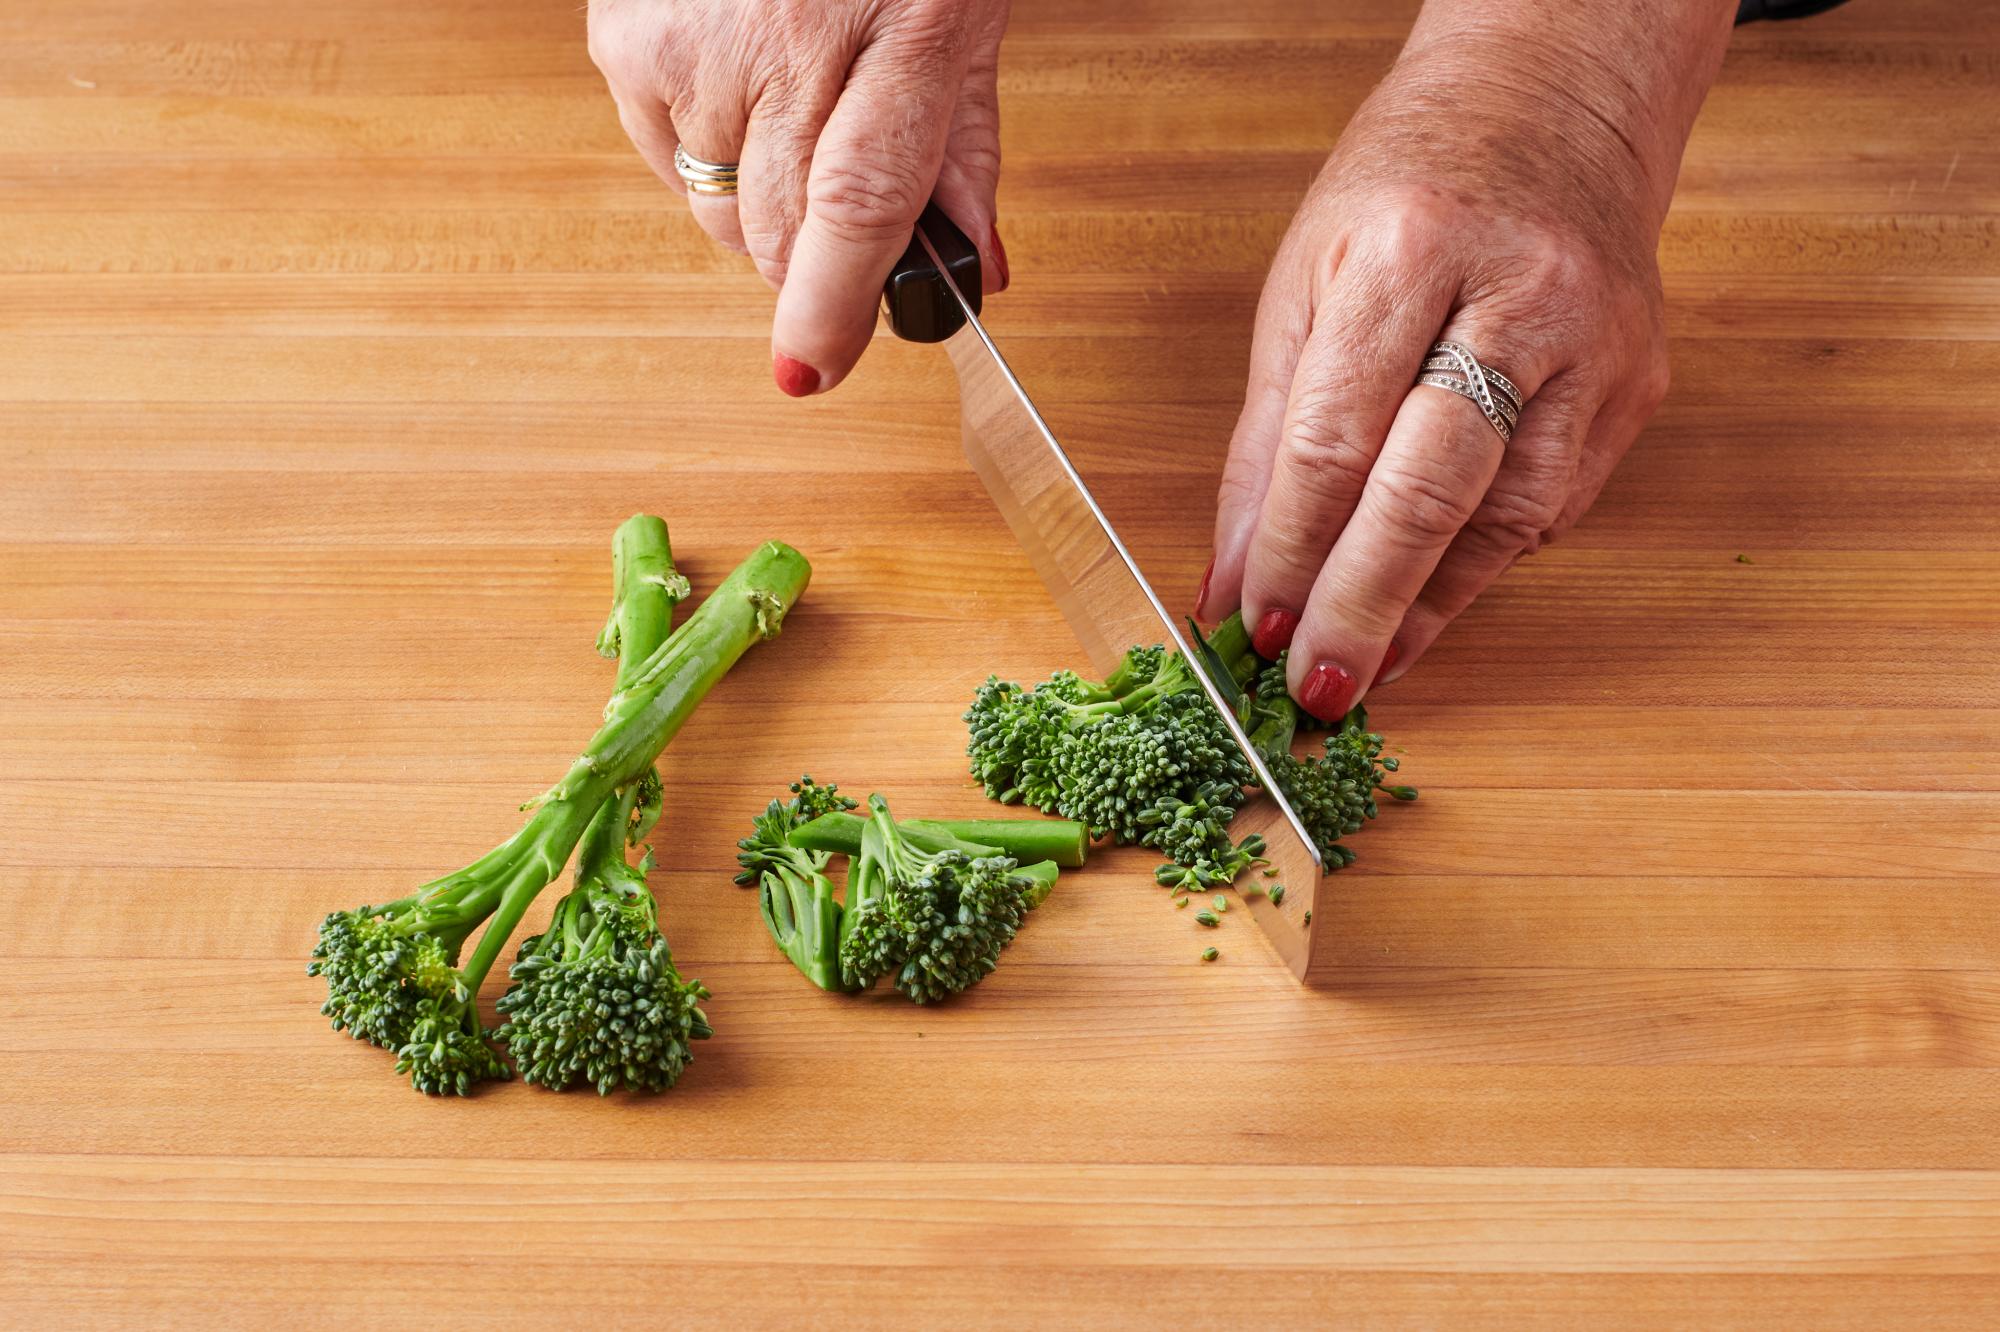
(844, 116)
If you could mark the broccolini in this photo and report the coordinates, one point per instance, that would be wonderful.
(596, 996)
(392, 971)
(1143, 756)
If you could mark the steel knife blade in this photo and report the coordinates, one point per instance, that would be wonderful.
(934, 296)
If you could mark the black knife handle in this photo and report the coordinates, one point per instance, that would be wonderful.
(1751, 11)
(919, 306)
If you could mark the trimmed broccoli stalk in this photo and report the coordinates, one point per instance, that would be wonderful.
(596, 997)
(934, 922)
(794, 894)
(645, 588)
(1063, 841)
(371, 955)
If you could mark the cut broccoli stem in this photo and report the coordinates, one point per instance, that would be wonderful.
(1027, 840)
(645, 588)
(1063, 841)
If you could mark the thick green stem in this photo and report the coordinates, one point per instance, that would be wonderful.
(642, 718)
(645, 588)
(1231, 640)
(1026, 840)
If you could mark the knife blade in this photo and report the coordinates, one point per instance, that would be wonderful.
(933, 295)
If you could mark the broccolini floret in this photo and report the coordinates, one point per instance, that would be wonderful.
(1144, 757)
(596, 997)
(933, 922)
(1104, 753)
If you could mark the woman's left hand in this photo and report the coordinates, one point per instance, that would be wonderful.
(1359, 514)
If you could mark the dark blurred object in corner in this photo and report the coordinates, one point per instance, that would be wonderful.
(1749, 11)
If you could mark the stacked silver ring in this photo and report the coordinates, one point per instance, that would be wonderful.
(1452, 366)
(704, 177)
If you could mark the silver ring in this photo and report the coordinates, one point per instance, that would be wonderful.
(1452, 367)
(704, 177)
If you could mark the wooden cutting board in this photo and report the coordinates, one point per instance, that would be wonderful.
(336, 338)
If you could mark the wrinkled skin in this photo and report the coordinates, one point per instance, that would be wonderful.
(844, 116)
(1501, 192)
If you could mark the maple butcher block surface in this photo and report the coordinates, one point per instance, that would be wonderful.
(335, 339)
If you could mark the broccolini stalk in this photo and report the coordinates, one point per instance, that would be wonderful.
(1027, 840)
(794, 894)
(438, 1037)
(596, 997)
(645, 588)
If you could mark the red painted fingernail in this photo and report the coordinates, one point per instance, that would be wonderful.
(1201, 596)
(1388, 662)
(1274, 632)
(999, 257)
(1328, 691)
(795, 377)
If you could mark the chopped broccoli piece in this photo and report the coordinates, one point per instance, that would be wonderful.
(1143, 756)
(934, 922)
(794, 893)
(1102, 757)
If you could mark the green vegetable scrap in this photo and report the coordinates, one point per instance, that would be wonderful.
(1210, 954)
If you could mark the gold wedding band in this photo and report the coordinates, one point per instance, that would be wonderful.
(704, 177)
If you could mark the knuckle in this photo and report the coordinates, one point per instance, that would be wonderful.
(1421, 508)
(1237, 490)
(1354, 606)
(1320, 452)
(627, 51)
(1513, 519)
(1556, 266)
(768, 238)
(866, 197)
(1654, 382)
(1411, 228)
(603, 40)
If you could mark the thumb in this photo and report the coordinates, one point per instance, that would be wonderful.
(875, 166)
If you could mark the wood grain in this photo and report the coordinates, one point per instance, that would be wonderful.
(334, 340)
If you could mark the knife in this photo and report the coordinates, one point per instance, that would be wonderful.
(932, 295)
